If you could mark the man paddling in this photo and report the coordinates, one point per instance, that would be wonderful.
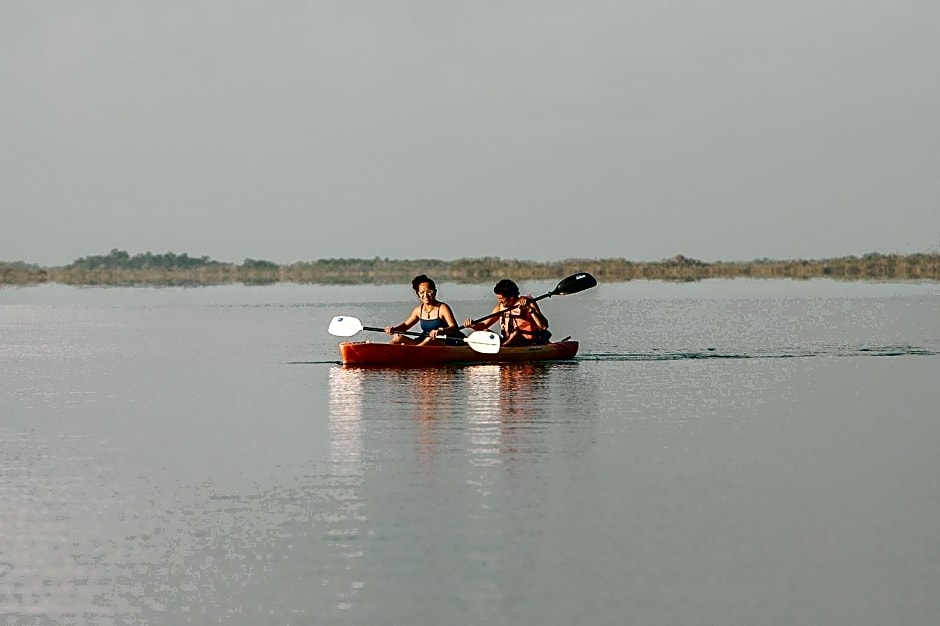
(521, 321)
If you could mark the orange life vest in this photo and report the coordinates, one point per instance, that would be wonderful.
(520, 320)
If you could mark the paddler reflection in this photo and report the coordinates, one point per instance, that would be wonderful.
(518, 387)
(503, 406)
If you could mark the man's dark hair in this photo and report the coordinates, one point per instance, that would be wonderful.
(506, 288)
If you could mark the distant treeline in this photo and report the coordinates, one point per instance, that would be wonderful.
(120, 268)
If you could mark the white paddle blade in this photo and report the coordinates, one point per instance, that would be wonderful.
(484, 341)
(343, 326)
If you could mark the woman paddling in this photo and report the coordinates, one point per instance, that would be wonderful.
(435, 317)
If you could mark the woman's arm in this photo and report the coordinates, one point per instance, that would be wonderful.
(448, 316)
(408, 323)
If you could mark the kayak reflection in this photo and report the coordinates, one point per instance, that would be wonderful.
(435, 396)
(345, 404)
(344, 510)
(497, 407)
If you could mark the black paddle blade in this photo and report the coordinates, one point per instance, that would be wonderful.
(574, 284)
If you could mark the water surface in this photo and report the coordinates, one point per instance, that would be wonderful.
(727, 452)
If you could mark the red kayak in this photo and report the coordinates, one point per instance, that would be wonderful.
(403, 355)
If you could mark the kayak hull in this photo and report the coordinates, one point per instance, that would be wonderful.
(404, 355)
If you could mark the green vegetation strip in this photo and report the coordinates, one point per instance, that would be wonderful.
(119, 268)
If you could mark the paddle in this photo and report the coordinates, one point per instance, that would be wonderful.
(481, 340)
(573, 284)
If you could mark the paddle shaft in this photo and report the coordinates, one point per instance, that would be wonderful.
(481, 341)
(412, 333)
(397, 332)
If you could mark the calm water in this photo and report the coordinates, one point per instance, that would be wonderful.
(724, 452)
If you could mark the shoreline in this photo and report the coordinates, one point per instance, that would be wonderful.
(120, 269)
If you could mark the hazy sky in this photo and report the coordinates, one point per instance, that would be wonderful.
(534, 129)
